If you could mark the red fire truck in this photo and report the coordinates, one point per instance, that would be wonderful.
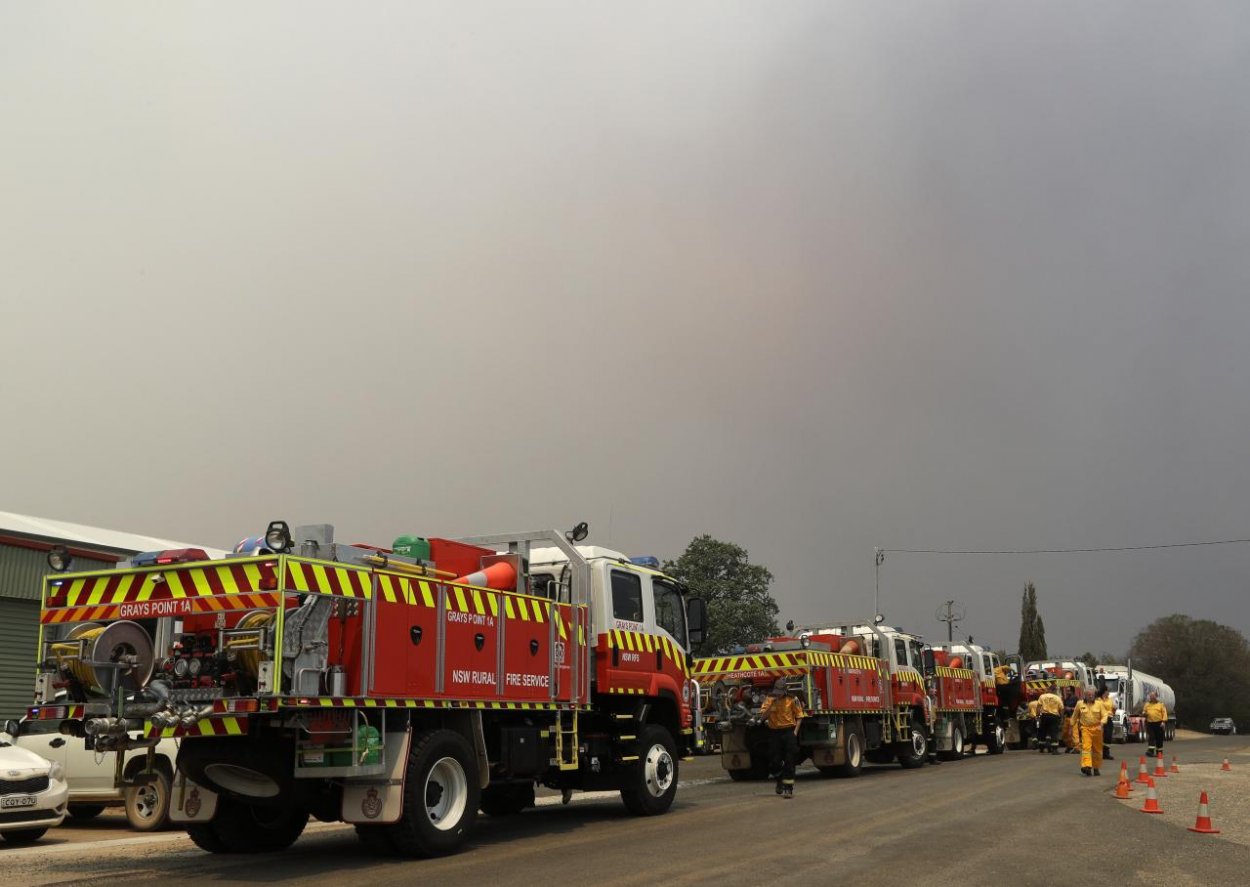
(873, 692)
(398, 689)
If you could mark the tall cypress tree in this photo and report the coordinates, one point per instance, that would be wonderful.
(1032, 629)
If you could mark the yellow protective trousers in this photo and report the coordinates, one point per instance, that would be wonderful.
(1091, 747)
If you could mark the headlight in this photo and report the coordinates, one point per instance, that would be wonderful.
(56, 772)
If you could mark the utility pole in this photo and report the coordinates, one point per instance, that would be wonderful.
(879, 557)
(952, 614)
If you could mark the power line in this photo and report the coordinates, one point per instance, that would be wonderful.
(1059, 550)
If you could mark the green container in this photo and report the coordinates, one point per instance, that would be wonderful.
(414, 547)
(368, 750)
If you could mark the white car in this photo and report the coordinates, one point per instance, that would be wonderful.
(33, 792)
(91, 776)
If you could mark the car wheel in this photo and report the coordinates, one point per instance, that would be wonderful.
(147, 805)
(84, 812)
(23, 835)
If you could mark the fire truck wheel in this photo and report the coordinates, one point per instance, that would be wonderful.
(441, 795)
(957, 745)
(507, 800)
(375, 839)
(83, 812)
(651, 783)
(854, 763)
(147, 805)
(911, 751)
(239, 827)
(996, 740)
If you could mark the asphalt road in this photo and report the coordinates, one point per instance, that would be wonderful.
(1020, 818)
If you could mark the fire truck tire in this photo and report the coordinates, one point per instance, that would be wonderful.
(912, 751)
(854, 763)
(239, 827)
(441, 796)
(651, 783)
(507, 800)
(375, 839)
(996, 740)
(83, 812)
(147, 805)
(957, 748)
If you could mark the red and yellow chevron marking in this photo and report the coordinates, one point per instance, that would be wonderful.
(626, 691)
(909, 677)
(642, 642)
(194, 605)
(944, 671)
(205, 727)
(720, 666)
(365, 702)
(178, 582)
(326, 577)
(1052, 682)
(474, 599)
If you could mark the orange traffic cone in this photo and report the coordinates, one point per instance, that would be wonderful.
(1128, 786)
(500, 576)
(1174, 768)
(1142, 776)
(1122, 789)
(1152, 800)
(1159, 771)
(1225, 765)
(1203, 825)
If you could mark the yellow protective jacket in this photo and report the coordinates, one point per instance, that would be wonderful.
(782, 712)
(1002, 676)
(1033, 709)
(1090, 714)
(1050, 703)
(1155, 712)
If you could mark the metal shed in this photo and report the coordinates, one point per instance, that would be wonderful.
(24, 545)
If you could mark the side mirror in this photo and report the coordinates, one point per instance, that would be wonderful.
(929, 664)
(696, 620)
(10, 727)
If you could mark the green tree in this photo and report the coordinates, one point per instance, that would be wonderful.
(1032, 646)
(740, 609)
(1206, 664)
(1089, 659)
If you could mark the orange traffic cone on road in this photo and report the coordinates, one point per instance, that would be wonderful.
(1152, 800)
(1142, 776)
(1203, 825)
(1159, 771)
(1174, 768)
(1225, 766)
(1122, 789)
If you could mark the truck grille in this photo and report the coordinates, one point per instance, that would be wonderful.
(29, 786)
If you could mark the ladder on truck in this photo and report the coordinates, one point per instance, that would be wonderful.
(566, 740)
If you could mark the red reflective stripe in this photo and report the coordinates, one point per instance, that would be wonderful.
(335, 585)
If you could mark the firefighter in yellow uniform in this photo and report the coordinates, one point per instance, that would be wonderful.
(1051, 714)
(1156, 719)
(1088, 717)
(782, 712)
(1034, 712)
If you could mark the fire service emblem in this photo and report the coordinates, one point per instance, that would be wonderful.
(371, 806)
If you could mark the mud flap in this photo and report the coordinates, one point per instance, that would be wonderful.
(379, 800)
(191, 803)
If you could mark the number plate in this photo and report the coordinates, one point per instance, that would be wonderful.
(18, 801)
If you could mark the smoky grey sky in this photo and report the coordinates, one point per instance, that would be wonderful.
(811, 277)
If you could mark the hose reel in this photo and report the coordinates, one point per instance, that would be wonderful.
(101, 656)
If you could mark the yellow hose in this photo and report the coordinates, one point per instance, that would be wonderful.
(249, 660)
(67, 655)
